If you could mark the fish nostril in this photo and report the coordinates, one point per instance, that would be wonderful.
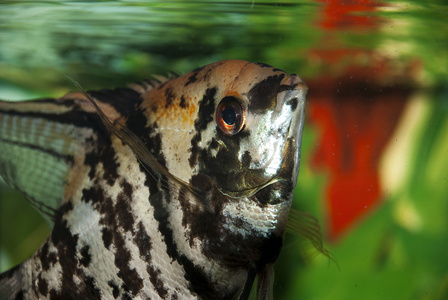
(293, 102)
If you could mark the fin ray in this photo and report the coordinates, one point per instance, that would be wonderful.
(265, 289)
(39, 148)
(305, 225)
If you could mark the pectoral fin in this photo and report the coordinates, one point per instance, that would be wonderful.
(305, 225)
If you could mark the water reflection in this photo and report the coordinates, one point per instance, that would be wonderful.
(378, 122)
(355, 105)
(356, 113)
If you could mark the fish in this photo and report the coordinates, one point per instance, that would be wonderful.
(174, 187)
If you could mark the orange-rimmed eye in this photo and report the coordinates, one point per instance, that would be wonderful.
(230, 115)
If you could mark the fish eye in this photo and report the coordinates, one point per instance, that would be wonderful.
(230, 115)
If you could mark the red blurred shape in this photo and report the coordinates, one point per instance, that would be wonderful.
(339, 14)
(355, 105)
(356, 114)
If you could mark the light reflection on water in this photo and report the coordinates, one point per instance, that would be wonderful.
(374, 152)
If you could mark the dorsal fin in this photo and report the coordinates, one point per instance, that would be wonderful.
(146, 85)
(43, 144)
(37, 152)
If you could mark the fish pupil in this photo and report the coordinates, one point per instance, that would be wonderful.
(229, 116)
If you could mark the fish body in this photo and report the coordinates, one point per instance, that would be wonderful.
(168, 189)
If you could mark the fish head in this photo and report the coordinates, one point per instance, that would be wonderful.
(259, 123)
(238, 131)
(239, 123)
(250, 148)
(254, 138)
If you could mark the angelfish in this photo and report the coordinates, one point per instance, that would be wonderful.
(173, 188)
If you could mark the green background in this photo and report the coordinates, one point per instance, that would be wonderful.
(399, 250)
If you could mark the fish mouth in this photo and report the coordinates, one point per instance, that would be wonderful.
(251, 181)
(255, 179)
(250, 191)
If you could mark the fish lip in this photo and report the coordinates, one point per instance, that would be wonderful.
(297, 142)
(294, 138)
(283, 176)
(249, 192)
